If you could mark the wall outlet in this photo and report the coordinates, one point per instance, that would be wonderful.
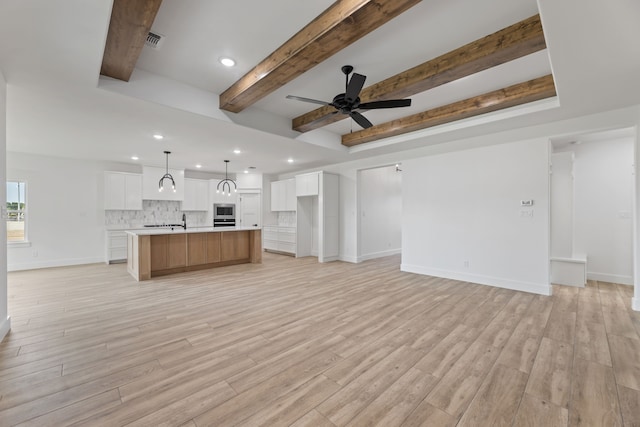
(35, 254)
(526, 213)
(466, 263)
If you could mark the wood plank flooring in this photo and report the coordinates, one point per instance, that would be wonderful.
(291, 342)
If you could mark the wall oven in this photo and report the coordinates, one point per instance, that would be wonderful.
(224, 215)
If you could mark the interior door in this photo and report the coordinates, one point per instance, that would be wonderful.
(249, 210)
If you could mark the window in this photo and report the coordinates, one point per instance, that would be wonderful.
(16, 211)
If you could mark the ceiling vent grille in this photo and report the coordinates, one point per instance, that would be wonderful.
(154, 41)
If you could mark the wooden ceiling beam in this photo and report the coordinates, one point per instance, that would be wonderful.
(515, 41)
(521, 93)
(130, 23)
(338, 26)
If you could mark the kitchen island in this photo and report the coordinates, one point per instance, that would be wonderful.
(158, 252)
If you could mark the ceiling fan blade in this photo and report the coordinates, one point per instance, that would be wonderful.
(390, 103)
(313, 101)
(354, 87)
(360, 119)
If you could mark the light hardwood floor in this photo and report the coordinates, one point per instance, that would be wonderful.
(295, 343)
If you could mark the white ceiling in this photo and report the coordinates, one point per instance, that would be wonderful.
(50, 55)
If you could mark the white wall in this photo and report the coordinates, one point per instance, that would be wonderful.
(462, 217)
(5, 321)
(380, 194)
(603, 227)
(65, 213)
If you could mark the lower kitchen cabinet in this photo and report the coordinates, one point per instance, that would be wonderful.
(168, 251)
(116, 247)
(279, 239)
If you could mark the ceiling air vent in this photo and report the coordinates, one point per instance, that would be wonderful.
(154, 41)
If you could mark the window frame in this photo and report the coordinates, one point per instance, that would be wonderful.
(25, 214)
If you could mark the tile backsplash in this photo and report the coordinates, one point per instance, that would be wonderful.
(153, 212)
(287, 219)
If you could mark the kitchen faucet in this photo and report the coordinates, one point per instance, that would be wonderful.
(184, 221)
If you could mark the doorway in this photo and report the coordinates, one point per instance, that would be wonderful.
(249, 210)
(379, 212)
(592, 198)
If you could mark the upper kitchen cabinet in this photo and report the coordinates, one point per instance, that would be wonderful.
(249, 181)
(196, 195)
(307, 184)
(150, 178)
(283, 195)
(122, 191)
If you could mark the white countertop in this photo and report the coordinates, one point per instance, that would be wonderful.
(180, 230)
(142, 227)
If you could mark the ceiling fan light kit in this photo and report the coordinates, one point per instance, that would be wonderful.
(167, 175)
(225, 184)
(349, 102)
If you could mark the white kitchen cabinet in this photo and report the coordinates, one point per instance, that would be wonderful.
(279, 239)
(278, 193)
(122, 191)
(318, 220)
(283, 195)
(307, 184)
(290, 203)
(150, 179)
(196, 195)
(116, 246)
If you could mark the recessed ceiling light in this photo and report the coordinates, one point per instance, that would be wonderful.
(246, 171)
(227, 62)
(290, 160)
(198, 166)
(237, 151)
(134, 157)
(158, 136)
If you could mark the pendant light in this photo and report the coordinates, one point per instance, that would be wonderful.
(167, 175)
(226, 182)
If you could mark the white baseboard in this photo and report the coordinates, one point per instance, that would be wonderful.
(534, 288)
(4, 328)
(380, 254)
(351, 259)
(331, 258)
(611, 278)
(635, 304)
(53, 263)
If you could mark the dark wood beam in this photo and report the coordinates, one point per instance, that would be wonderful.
(515, 41)
(341, 24)
(130, 23)
(521, 93)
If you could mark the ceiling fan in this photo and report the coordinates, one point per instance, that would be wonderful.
(349, 101)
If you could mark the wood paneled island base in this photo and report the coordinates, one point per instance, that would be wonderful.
(160, 252)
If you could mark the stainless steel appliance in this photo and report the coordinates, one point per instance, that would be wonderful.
(224, 215)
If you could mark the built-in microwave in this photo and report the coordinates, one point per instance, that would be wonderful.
(224, 215)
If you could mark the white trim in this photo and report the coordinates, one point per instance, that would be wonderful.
(535, 288)
(56, 263)
(18, 244)
(380, 254)
(574, 260)
(351, 259)
(5, 327)
(507, 113)
(612, 278)
(329, 259)
(635, 304)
